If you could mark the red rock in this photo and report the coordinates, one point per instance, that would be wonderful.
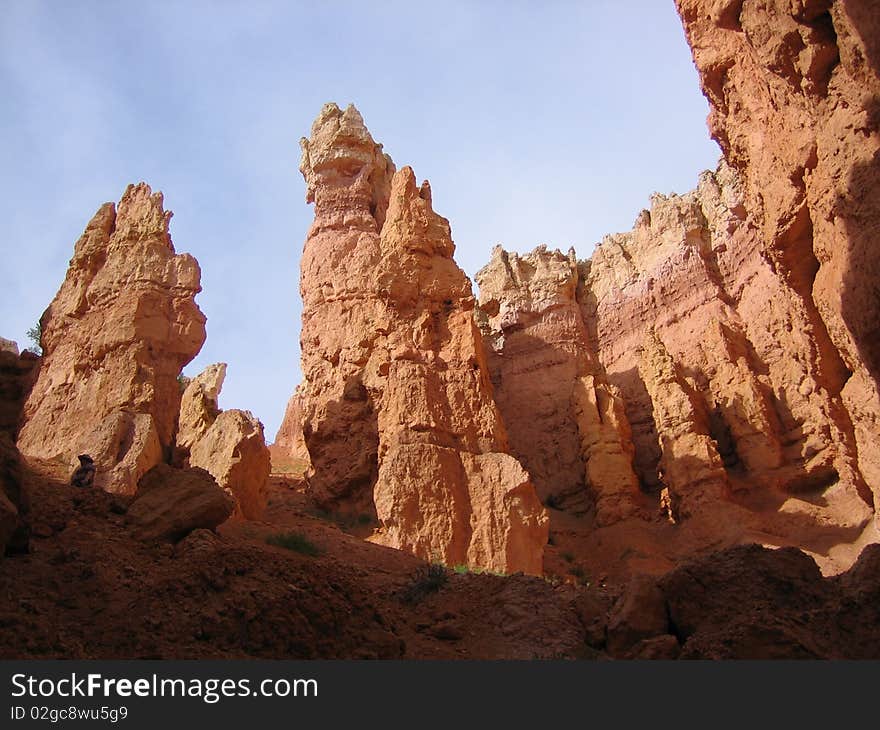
(171, 503)
(199, 407)
(115, 338)
(566, 423)
(289, 451)
(640, 613)
(230, 444)
(792, 89)
(690, 466)
(397, 407)
(233, 450)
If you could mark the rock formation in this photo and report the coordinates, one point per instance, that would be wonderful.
(115, 338)
(10, 346)
(739, 322)
(793, 91)
(13, 498)
(397, 407)
(171, 503)
(690, 467)
(289, 451)
(199, 406)
(716, 368)
(566, 423)
(230, 445)
(17, 376)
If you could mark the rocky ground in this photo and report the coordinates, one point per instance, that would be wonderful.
(89, 588)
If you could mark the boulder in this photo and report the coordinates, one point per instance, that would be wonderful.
(233, 450)
(171, 503)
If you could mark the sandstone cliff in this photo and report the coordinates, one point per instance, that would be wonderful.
(397, 407)
(115, 338)
(738, 322)
(793, 90)
(289, 450)
(566, 422)
(725, 407)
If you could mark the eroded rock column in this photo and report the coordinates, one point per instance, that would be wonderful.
(115, 338)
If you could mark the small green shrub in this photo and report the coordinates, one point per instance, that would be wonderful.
(568, 557)
(461, 569)
(35, 335)
(578, 572)
(294, 541)
(427, 579)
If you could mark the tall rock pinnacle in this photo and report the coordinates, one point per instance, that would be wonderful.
(115, 338)
(397, 408)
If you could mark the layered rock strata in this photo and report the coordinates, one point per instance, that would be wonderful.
(793, 89)
(397, 408)
(114, 339)
(716, 360)
(566, 422)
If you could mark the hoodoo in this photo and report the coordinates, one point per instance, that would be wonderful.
(397, 408)
(115, 338)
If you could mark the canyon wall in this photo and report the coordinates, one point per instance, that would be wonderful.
(737, 323)
(566, 422)
(17, 375)
(114, 339)
(396, 408)
(794, 91)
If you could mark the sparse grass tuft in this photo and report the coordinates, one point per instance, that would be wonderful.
(578, 572)
(294, 541)
(461, 569)
(427, 579)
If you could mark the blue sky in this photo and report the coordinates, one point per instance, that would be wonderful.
(536, 122)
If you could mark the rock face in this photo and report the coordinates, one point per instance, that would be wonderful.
(289, 451)
(749, 602)
(737, 324)
(17, 376)
(715, 366)
(14, 504)
(692, 269)
(234, 451)
(115, 338)
(690, 465)
(10, 346)
(793, 91)
(198, 405)
(397, 407)
(566, 423)
(230, 445)
(171, 503)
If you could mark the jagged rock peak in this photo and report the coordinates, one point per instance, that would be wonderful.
(344, 168)
(115, 337)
